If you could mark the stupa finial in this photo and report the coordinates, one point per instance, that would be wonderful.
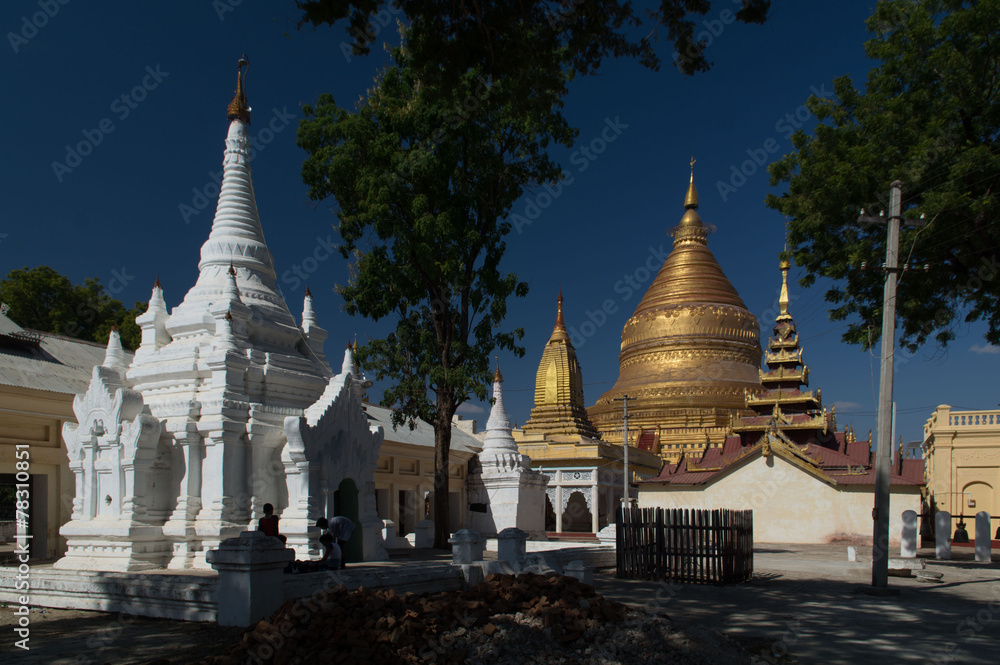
(691, 198)
(560, 324)
(238, 108)
(497, 376)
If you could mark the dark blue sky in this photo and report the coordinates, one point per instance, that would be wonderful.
(140, 203)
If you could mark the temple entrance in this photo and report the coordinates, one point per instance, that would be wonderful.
(550, 515)
(577, 516)
(345, 503)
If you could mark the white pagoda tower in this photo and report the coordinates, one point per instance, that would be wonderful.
(228, 404)
(514, 494)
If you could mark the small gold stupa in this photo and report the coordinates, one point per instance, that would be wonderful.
(690, 354)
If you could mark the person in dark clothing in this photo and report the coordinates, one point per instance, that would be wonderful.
(268, 524)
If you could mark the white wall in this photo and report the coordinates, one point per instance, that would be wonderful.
(790, 505)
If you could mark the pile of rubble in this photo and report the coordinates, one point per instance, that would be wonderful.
(506, 619)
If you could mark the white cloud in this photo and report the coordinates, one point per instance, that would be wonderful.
(847, 406)
(984, 348)
(470, 409)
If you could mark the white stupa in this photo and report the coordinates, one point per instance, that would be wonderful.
(228, 404)
(514, 494)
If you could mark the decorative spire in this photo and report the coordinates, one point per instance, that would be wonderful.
(238, 108)
(498, 436)
(497, 376)
(114, 357)
(783, 297)
(308, 313)
(691, 218)
(308, 292)
(231, 292)
(156, 284)
(348, 366)
(355, 342)
(560, 325)
(691, 198)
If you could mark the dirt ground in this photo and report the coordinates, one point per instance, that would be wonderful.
(805, 605)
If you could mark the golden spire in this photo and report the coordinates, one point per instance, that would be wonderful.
(497, 376)
(691, 218)
(691, 198)
(783, 298)
(238, 108)
(355, 347)
(559, 312)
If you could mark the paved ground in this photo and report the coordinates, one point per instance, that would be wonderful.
(801, 607)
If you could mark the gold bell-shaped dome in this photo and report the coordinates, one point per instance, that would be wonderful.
(690, 353)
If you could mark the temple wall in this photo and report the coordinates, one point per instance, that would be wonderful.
(790, 505)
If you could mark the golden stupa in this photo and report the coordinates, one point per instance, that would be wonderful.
(559, 408)
(690, 354)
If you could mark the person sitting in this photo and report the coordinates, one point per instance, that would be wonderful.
(332, 555)
(268, 524)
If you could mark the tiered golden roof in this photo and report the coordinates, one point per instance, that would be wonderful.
(690, 353)
(784, 395)
(559, 409)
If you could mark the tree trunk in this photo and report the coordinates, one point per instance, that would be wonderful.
(442, 455)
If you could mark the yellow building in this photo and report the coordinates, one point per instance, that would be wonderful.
(689, 355)
(404, 474)
(40, 373)
(962, 452)
(586, 474)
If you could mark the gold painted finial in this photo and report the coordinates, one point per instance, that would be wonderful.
(355, 342)
(238, 108)
(497, 376)
(691, 198)
(560, 324)
(783, 297)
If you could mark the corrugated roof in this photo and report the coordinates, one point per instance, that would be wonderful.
(57, 364)
(422, 434)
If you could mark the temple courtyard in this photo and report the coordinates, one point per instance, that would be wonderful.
(805, 604)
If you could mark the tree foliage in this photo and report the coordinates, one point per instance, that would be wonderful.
(582, 31)
(929, 117)
(45, 300)
(427, 167)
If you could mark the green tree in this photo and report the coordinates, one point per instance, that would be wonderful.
(929, 117)
(45, 300)
(426, 169)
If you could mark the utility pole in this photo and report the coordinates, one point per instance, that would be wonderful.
(883, 451)
(626, 499)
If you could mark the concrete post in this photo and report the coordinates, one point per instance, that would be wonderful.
(511, 547)
(251, 576)
(466, 546)
(424, 534)
(983, 552)
(942, 532)
(581, 571)
(908, 544)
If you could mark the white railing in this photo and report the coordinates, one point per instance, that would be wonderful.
(974, 419)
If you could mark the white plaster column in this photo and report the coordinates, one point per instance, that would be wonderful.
(983, 552)
(942, 529)
(595, 512)
(559, 502)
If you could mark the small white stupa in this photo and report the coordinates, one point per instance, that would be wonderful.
(514, 494)
(228, 404)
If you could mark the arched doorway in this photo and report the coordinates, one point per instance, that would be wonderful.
(577, 515)
(550, 515)
(345, 503)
